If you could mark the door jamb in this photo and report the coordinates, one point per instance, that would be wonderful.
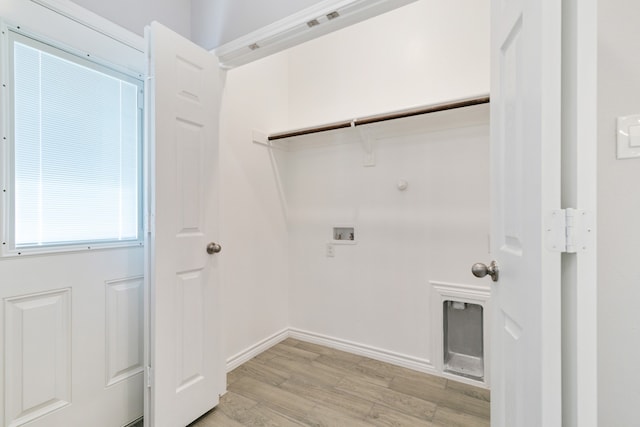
(579, 190)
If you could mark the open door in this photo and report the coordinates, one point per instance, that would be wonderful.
(186, 371)
(525, 188)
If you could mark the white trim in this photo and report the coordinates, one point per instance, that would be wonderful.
(254, 350)
(94, 21)
(134, 423)
(293, 29)
(148, 219)
(391, 357)
(474, 294)
(579, 189)
(586, 318)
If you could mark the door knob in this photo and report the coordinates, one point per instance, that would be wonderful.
(480, 270)
(213, 248)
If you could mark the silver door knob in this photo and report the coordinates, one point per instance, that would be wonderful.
(213, 248)
(480, 270)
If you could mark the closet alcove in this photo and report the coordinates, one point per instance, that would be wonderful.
(397, 164)
(406, 183)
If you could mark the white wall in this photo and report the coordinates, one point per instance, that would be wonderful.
(618, 213)
(377, 292)
(426, 52)
(253, 221)
(134, 15)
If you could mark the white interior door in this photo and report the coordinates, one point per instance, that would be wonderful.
(185, 358)
(525, 155)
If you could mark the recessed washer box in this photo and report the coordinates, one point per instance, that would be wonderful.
(345, 235)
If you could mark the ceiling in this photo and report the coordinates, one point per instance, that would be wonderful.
(216, 22)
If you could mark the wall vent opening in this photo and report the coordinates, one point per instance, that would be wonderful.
(463, 339)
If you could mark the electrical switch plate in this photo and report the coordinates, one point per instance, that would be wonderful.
(634, 136)
(330, 250)
(629, 137)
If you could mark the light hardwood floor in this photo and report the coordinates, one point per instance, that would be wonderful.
(296, 383)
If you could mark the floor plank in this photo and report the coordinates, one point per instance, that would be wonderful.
(296, 383)
(477, 392)
(355, 406)
(324, 416)
(450, 418)
(379, 395)
(384, 416)
(282, 401)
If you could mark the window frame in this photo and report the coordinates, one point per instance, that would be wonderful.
(10, 35)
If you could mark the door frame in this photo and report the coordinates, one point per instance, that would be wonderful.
(579, 190)
(580, 111)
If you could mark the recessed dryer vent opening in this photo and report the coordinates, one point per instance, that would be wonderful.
(463, 339)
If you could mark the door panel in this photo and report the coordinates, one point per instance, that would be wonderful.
(124, 328)
(512, 192)
(38, 355)
(190, 335)
(183, 306)
(70, 351)
(525, 155)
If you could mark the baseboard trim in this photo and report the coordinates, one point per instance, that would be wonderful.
(136, 423)
(398, 359)
(393, 358)
(251, 352)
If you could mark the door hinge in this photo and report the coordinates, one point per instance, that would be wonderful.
(148, 223)
(569, 231)
(149, 376)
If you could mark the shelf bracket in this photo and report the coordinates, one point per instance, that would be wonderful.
(368, 145)
(262, 138)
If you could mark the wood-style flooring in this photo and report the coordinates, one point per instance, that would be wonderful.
(296, 383)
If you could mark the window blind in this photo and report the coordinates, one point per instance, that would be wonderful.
(76, 151)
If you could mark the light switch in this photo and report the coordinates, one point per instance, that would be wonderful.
(628, 137)
(634, 136)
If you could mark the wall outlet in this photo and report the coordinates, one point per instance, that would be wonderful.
(330, 250)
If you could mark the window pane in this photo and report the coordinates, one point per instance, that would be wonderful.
(76, 152)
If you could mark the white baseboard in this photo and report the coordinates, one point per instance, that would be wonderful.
(393, 358)
(251, 352)
(398, 359)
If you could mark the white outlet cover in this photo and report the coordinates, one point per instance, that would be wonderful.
(330, 250)
(629, 137)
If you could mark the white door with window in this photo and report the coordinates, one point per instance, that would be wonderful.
(186, 366)
(72, 262)
(525, 155)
